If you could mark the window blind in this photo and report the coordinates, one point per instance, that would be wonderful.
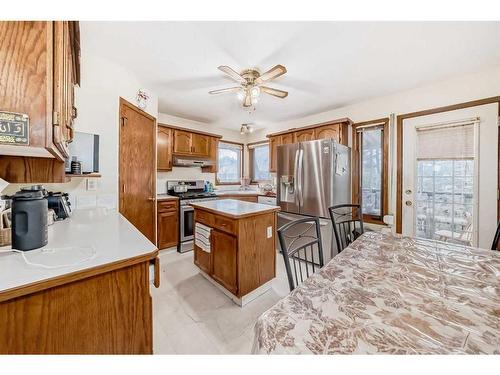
(446, 142)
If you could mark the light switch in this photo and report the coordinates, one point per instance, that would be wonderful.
(91, 184)
(269, 232)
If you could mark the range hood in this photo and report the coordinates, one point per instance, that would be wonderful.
(190, 161)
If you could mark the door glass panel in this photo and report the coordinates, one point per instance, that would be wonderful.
(371, 171)
(444, 200)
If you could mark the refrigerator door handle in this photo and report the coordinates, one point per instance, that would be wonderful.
(296, 177)
(299, 175)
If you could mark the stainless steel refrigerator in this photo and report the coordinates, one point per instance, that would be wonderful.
(312, 176)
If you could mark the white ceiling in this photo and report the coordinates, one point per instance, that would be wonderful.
(330, 64)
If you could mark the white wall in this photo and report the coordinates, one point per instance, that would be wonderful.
(103, 82)
(460, 89)
(193, 173)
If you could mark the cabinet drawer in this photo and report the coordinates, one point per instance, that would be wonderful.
(225, 224)
(204, 218)
(165, 206)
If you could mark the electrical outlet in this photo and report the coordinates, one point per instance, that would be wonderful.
(269, 232)
(91, 184)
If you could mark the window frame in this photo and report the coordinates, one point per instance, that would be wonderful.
(382, 123)
(251, 148)
(217, 182)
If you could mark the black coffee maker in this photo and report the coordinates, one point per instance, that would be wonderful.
(29, 218)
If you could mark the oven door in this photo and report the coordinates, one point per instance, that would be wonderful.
(187, 223)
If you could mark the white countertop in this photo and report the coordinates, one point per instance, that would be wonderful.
(235, 208)
(104, 233)
(166, 197)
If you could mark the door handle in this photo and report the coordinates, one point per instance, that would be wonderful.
(299, 177)
(151, 199)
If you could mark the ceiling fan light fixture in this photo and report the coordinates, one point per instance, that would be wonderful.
(246, 128)
(241, 95)
(255, 92)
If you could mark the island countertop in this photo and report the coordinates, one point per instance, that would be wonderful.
(234, 208)
(90, 242)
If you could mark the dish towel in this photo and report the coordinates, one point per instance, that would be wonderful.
(202, 236)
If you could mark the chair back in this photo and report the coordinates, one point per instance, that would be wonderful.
(347, 220)
(494, 245)
(300, 242)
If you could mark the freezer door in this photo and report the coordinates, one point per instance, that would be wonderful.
(316, 177)
(287, 157)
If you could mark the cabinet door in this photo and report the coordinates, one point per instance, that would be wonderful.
(274, 142)
(224, 260)
(329, 131)
(61, 87)
(287, 139)
(168, 229)
(214, 151)
(200, 144)
(305, 135)
(182, 142)
(164, 149)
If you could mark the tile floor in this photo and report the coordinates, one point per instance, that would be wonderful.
(191, 316)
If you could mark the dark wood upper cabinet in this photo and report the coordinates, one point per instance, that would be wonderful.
(336, 129)
(200, 144)
(305, 135)
(39, 68)
(164, 149)
(182, 142)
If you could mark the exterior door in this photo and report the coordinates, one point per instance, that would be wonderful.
(451, 195)
(137, 168)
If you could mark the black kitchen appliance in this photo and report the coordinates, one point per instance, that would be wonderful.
(29, 218)
(59, 202)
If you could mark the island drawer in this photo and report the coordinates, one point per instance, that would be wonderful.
(225, 224)
(204, 217)
(166, 206)
(215, 221)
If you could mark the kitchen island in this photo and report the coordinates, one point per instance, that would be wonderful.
(239, 255)
(86, 292)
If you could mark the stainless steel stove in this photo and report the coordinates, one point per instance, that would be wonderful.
(195, 193)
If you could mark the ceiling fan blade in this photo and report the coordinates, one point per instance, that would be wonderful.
(272, 73)
(232, 73)
(274, 92)
(220, 91)
(248, 100)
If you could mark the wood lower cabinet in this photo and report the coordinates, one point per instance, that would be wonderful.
(168, 224)
(224, 257)
(164, 149)
(242, 255)
(336, 129)
(97, 311)
(39, 68)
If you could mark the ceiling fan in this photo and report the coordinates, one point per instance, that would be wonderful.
(251, 83)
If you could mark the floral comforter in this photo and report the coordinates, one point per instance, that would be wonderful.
(394, 295)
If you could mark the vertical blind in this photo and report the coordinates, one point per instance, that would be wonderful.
(446, 142)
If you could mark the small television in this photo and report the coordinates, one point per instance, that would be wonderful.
(85, 147)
